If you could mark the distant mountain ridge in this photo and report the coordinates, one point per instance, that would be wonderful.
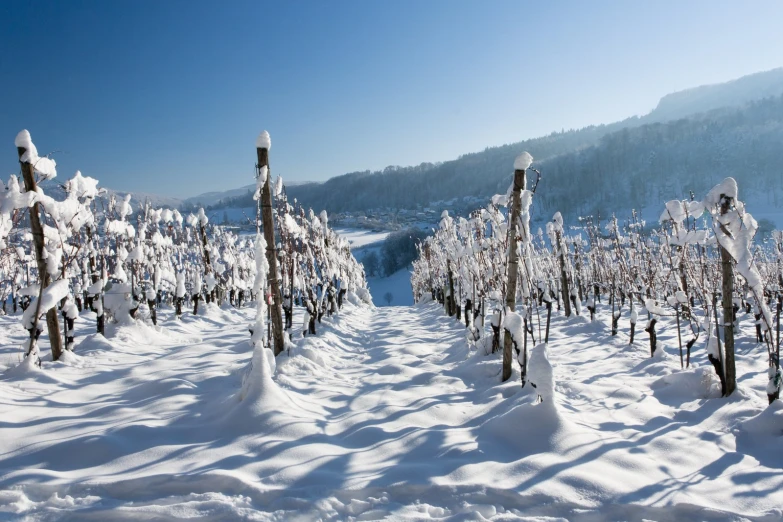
(706, 98)
(640, 168)
(488, 172)
(156, 200)
(711, 110)
(210, 198)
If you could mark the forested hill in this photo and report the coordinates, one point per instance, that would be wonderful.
(633, 167)
(686, 143)
(691, 139)
(641, 167)
(477, 174)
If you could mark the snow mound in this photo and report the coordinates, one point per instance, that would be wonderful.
(28, 366)
(264, 406)
(360, 297)
(530, 428)
(687, 385)
(92, 343)
(768, 423)
(537, 426)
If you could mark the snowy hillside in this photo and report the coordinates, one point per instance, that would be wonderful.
(211, 198)
(360, 238)
(387, 413)
(389, 290)
(709, 97)
(392, 290)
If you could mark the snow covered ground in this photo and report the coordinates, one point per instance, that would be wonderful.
(359, 237)
(386, 414)
(398, 285)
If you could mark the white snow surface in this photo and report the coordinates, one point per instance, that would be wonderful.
(386, 414)
(398, 284)
(360, 237)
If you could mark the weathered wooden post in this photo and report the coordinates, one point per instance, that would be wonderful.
(563, 250)
(728, 306)
(677, 309)
(263, 143)
(202, 229)
(513, 259)
(450, 303)
(52, 323)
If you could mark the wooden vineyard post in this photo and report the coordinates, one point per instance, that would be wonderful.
(278, 338)
(728, 308)
(450, 302)
(52, 323)
(207, 262)
(566, 294)
(513, 266)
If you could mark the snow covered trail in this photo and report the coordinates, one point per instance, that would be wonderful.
(386, 414)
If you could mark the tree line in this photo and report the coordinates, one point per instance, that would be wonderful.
(397, 251)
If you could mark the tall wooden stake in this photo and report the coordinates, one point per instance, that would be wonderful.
(450, 302)
(566, 294)
(728, 310)
(278, 337)
(52, 323)
(513, 266)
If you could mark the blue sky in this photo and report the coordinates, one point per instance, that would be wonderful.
(168, 96)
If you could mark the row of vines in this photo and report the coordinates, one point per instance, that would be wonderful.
(89, 251)
(700, 266)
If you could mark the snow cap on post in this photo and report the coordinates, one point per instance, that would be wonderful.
(523, 161)
(727, 188)
(264, 141)
(24, 141)
(46, 167)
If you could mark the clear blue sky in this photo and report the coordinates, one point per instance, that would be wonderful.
(168, 96)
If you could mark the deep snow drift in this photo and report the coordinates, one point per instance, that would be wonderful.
(386, 414)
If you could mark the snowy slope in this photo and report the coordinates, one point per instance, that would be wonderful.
(709, 97)
(386, 414)
(398, 284)
(210, 198)
(360, 238)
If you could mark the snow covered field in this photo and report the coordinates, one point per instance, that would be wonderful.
(386, 414)
(359, 237)
(398, 284)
